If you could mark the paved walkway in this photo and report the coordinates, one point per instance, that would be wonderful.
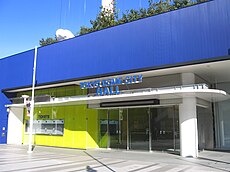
(16, 158)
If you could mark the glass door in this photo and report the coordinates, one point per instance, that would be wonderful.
(118, 128)
(103, 128)
(139, 128)
(165, 128)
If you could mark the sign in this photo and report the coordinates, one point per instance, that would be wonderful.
(110, 86)
(105, 122)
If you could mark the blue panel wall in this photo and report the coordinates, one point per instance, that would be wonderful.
(14, 71)
(195, 33)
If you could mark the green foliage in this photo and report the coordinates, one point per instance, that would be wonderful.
(84, 30)
(47, 41)
(181, 3)
(107, 18)
(104, 19)
(159, 7)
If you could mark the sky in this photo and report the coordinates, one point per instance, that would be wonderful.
(24, 22)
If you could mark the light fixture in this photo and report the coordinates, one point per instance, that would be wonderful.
(25, 97)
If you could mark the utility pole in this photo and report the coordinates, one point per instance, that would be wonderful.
(30, 148)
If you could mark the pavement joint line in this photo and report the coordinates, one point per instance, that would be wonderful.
(36, 159)
(58, 164)
(213, 160)
(184, 170)
(54, 159)
(98, 166)
(217, 168)
(145, 167)
(35, 156)
(74, 166)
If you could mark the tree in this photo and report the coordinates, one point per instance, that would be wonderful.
(84, 30)
(107, 18)
(47, 41)
(181, 3)
(163, 6)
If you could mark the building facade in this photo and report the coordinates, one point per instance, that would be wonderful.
(159, 83)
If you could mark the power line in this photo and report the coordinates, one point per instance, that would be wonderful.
(84, 7)
(60, 15)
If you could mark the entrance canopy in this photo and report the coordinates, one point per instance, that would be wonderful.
(165, 95)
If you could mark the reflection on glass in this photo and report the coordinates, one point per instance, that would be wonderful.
(222, 123)
(46, 127)
(165, 128)
(118, 128)
(103, 127)
(139, 128)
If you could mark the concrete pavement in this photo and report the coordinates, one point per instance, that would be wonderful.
(15, 158)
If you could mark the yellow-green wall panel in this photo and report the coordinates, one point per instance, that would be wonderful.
(81, 127)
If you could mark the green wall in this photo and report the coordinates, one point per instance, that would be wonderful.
(81, 125)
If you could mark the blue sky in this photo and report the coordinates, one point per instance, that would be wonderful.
(24, 22)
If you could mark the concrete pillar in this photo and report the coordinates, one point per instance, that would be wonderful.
(188, 128)
(188, 121)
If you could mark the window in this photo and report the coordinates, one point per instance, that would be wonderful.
(47, 127)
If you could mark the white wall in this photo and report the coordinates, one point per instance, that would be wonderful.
(15, 125)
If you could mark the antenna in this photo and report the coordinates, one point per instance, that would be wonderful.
(63, 34)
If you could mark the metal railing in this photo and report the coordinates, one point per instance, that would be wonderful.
(182, 87)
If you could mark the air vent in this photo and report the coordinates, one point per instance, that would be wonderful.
(42, 98)
(131, 103)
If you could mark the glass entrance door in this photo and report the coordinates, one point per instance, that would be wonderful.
(118, 128)
(149, 128)
(139, 128)
(165, 128)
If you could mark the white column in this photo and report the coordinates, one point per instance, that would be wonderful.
(188, 121)
(188, 128)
